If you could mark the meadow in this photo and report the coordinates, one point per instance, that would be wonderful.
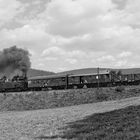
(78, 114)
(35, 100)
(82, 122)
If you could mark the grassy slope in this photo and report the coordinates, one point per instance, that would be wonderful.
(121, 124)
(34, 72)
(82, 71)
(52, 99)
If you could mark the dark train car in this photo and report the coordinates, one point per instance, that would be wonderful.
(74, 81)
(127, 79)
(136, 79)
(47, 82)
(115, 78)
(130, 79)
(70, 81)
(89, 80)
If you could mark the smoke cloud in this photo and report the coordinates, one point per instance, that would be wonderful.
(13, 59)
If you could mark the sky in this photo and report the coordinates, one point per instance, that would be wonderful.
(72, 34)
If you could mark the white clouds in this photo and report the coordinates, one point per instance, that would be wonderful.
(25, 33)
(8, 10)
(72, 18)
(80, 8)
(121, 63)
(50, 59)
(107, 58)
(125, 54)
(56, 53)
(71, 60)
(53, 51)
(68, 33)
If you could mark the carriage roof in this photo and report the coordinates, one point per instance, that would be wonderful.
(47, 77)
(64, 75)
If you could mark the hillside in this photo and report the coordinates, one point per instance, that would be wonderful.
(34, 72)
(83, 71)
(94, 70)
(131, 70)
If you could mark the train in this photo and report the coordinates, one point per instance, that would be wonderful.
(107, 78)
(17, 83)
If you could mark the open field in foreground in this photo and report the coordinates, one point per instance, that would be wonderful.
(51, 123)
(123, 124)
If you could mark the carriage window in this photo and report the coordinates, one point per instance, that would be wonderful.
(97, 77)
(63, 79)
(29, 82)
(73, 78)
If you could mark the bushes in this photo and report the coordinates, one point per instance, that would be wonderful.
(101, 96)
(50, 99)
(61, 98)
(120, 89)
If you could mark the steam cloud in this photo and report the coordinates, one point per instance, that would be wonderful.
(14, 58)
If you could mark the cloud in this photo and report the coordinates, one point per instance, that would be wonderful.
(124, 54)
(71, 61)
(53, 51)
(121, 63)
(121, 4)
(106, 58)
(66, 34)
(8, 10)
(71, 18)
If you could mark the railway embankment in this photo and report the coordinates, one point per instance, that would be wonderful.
(34, 100)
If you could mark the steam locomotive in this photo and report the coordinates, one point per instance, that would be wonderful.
(17, 83)
(68, 81)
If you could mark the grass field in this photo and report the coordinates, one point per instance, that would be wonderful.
(53, 124)
(61, 98)
(121, 124)
(69, 122)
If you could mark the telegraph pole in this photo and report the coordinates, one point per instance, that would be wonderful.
(98, 73)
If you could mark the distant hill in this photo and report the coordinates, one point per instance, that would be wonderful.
(30, 73)
(94, 70)
(83, 71)
(34, 72)
(130, 70)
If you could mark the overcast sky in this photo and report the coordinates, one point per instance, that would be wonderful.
(71, 34)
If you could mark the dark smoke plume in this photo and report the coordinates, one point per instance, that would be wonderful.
(14, 58)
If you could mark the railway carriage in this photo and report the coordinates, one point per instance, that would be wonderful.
(89, 80)
(69, 81)
(47, 82)
(136, 79)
